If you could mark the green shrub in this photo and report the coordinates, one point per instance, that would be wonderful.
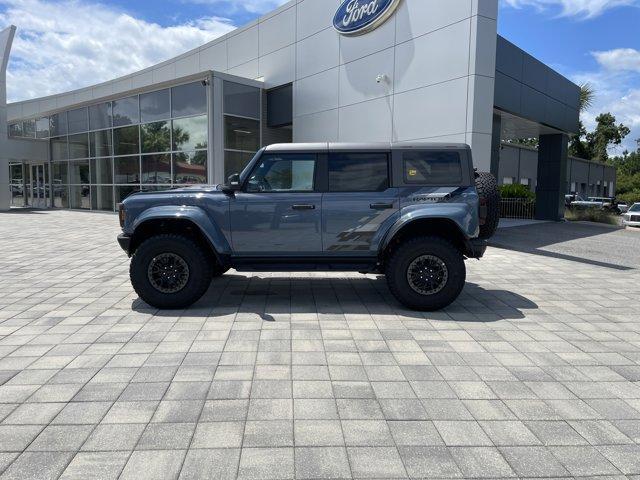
(591, 215)
(630, 197)
(516, 190)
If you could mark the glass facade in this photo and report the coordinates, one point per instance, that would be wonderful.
(241, 126)
(152, 141)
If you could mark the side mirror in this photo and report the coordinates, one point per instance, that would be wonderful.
(233, 184)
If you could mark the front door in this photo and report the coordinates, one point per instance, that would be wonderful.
(278, 210)
(38, 188)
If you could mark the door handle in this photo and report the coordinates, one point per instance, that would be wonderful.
(381, 206)
(303, 207)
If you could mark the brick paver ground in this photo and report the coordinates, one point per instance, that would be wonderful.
(534, 372)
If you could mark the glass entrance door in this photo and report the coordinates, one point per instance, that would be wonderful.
(38, 188)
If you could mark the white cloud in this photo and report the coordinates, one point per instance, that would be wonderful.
(572, 8)
(234, 6)
(620, 59)
(69, 44)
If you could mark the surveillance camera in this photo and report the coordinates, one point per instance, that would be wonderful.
(205, 82)
(382, 78)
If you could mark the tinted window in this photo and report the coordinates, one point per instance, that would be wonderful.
(29, 128)
(241, 100)
(358, 172)
(42, 127)
(241, 134)
(100, 116)
(156, 137)
(125, 111)
(79, 146)
(190, 167)
(235, 162)
(15, 130)
(156, 168)
(190, 133)
(59, 124)
(59, 148)
(283, 173)
(79, 172)
(127, 170)
(154, 106)
(126, 141)
(190, 99)
(102, 170)
(78, 120)
(442, 168)
(100, 143)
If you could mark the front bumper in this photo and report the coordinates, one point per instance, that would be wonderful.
(475, 248)
(125, 242)
(629, 223)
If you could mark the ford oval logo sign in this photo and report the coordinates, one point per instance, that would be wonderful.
(355, 17)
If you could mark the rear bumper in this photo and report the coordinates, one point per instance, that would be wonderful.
(475, 248)
(125, 242)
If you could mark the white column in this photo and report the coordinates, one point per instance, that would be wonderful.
(6, 39)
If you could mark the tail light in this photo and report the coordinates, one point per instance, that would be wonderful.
(122, 215)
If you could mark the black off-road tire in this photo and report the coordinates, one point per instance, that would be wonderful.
(487, 188)
(403, 256)
(199, 275)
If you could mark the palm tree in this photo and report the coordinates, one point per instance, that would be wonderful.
(587, 95)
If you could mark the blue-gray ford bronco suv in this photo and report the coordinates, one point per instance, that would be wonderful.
(412, 212)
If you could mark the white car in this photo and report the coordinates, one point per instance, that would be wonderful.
(632, 217)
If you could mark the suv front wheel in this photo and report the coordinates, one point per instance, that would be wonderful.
(426, 273)
(170, 271)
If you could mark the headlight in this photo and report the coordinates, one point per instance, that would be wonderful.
(122, 214)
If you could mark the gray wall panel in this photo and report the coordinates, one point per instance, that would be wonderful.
(507, 94)
(509, 59)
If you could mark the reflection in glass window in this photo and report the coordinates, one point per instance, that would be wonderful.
(15, 130)
(156, 137)
(59, 148)
(190, 133)
(241, 100)
(79, 172)
(358, 172)
(154, 106)
(58, 124)
(235, 162)
(101, 170)
(80, 197)
(156, 168)
(437, 168)
(60, 194)
(190, 167)
(60, 174)
(42, 127)
(123, 192)
(102, 198)
(79, 146)
(190, 99)
(100, 143)
(126, 111)
(126, 170)
(126, 140)
(100, 116)
(241, 134)
(283, 173)
(29, 128)
(78, 120)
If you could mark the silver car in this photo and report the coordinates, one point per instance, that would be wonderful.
(632, 217)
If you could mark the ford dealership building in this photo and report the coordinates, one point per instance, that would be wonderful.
(312, 70)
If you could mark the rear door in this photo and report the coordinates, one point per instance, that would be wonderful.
(358, 201)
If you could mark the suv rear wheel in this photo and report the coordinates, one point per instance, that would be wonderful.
(170, 271)
(426, 273)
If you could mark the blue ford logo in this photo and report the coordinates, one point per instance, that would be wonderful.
(355, 17)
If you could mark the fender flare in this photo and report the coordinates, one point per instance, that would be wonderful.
(455, 215)
(212, 232)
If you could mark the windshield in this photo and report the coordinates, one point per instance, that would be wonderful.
(635, 208)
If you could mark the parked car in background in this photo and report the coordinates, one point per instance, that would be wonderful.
(600, 203)
(623, 207)
(632, 217)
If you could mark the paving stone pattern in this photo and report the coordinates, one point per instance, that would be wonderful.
(533, 373)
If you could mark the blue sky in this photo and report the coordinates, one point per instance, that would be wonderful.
(593, 41)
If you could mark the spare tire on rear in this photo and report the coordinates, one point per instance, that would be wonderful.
(489, 194)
